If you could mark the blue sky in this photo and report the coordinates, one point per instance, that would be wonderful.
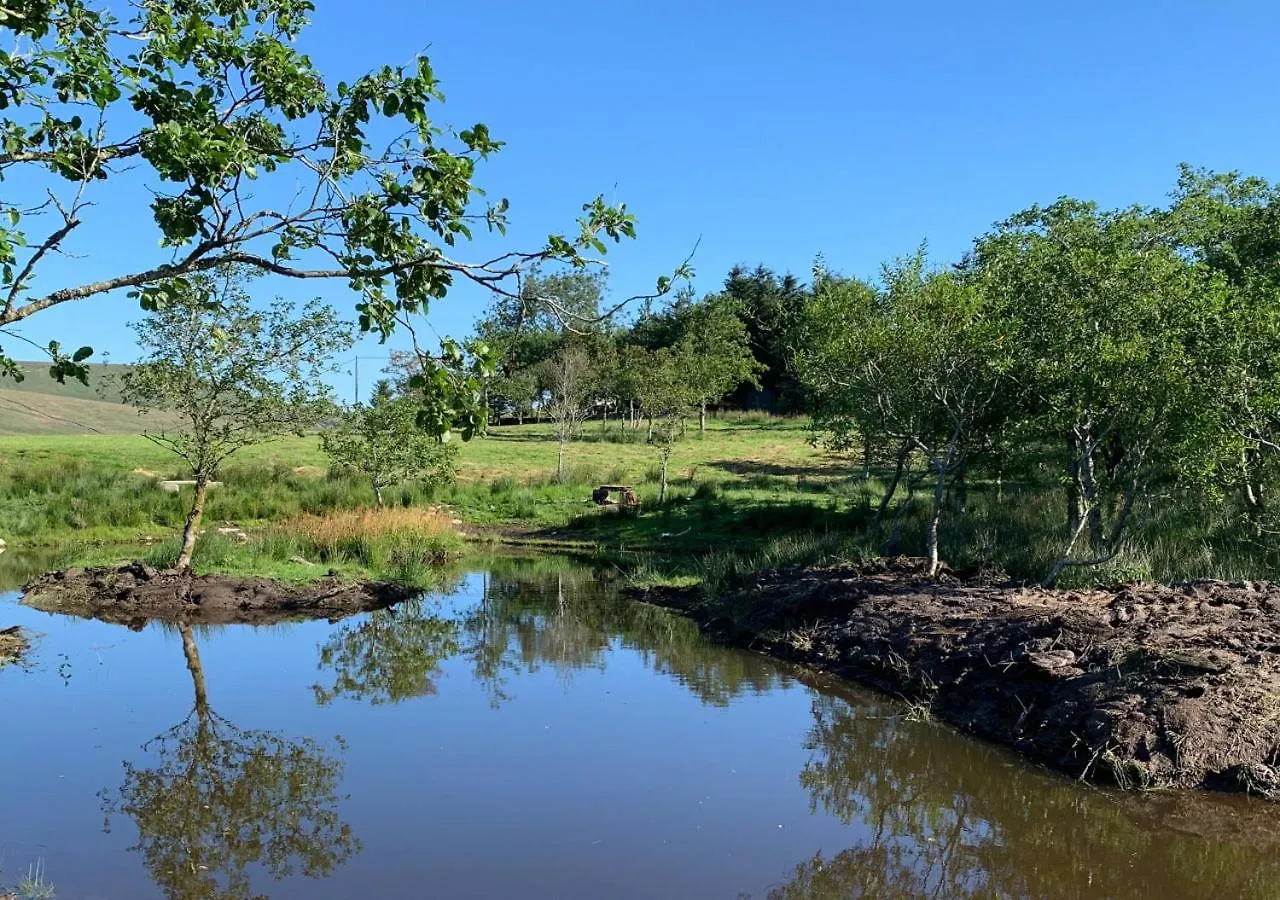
(774, 131)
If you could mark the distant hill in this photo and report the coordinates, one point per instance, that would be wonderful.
(39, 405)
(104, 382)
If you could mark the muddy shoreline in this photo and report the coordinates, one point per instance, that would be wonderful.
(1138, 686)
(134, 594)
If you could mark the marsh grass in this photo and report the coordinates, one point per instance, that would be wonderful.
(379, 539)
(751, 493)
(34, 886)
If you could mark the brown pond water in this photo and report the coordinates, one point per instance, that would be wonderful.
(528, 733)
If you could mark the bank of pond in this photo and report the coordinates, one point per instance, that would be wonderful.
(527, 727)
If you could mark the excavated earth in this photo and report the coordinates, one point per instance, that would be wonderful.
(1140, 685)
(133, 594)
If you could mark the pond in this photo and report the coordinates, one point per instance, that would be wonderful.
(527, 732)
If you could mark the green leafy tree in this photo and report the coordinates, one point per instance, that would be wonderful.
(527, 329)
(208, 118)
(771, 306)
(383, 443)
(1113, 327)
(921, 362)
(513, 394)
(1231, 224)
(570, 380)
(667, 398)
(229, 375)
(715, 354)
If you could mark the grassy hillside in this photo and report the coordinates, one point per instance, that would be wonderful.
(103, 382)
(38, 405)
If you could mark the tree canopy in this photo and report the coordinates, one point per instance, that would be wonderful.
(207, 118)
(230, 375)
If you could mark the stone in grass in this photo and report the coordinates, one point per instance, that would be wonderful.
(172, 486)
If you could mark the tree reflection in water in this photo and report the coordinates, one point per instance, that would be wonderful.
(530, 618)
(930, 814)
(223, 801)
(943, 816)
(387, 656)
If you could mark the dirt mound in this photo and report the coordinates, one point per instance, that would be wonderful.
(1141, 685)
(12, 645)
(133, 594)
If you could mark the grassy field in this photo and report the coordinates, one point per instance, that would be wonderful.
(751, 493)
(732, 447)
(102, 487)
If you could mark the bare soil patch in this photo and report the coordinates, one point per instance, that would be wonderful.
(1140, 685)
(133, 594)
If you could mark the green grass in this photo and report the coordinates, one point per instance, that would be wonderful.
(101, 487)
(38, 405)
(750, 494)
(290, 553)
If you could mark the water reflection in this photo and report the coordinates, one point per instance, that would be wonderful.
(946, 817)
(528, 618)
(900, 808)
(222, 801)
(387, 656)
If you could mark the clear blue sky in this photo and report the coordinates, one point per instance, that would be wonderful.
(774, 131)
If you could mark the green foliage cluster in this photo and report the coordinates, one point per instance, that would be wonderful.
(562, 356)
(230, 375)
(209, 119)
(1131, 354)
(383, 443)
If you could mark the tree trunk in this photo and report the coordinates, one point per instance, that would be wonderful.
(1254, 501)
(940, 466)
(1110, 547)
(191, 530)
(662, 486)
(193, 666)
(903, 455)
(650, 435)
(377, 495)
(1089, 490)
(866, 461)
(560, 459)
(702, 418)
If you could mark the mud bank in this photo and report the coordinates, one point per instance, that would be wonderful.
(1142, 686)
(133, 594)
(12, 645)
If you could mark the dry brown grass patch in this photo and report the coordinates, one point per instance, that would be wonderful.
(358, 524)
